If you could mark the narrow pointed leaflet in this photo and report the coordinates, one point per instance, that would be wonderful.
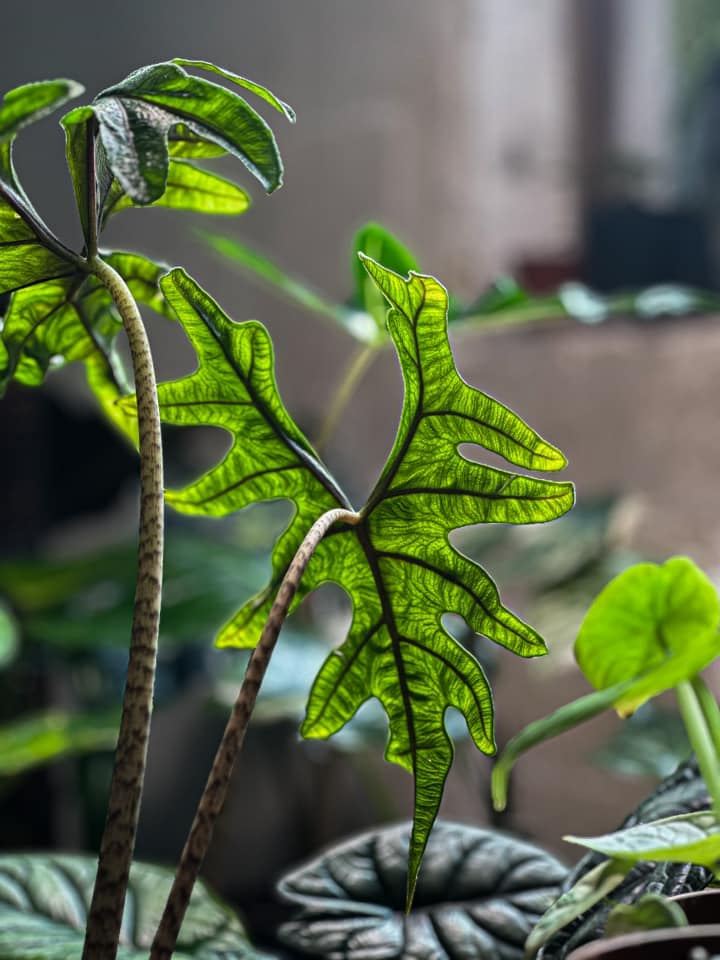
(397, 564)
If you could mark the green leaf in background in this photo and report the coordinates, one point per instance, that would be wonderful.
(590, 889)
(650, 912)
(656, 624)
(44, 901)
(9, 637)
(651, 743)
(397, 564)
(688, 838)
(40, 738)
(294, 290)
(380, 245)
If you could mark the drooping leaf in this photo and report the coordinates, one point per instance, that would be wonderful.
(187, 188)
(651, 912)
(688, 838)
(593, 887)
(478, 896)
(655, 624)
(73, 318)
(44, 901)
(267, 95)
(397, 564)
(295, 290)
(34, 740)
(137, 115)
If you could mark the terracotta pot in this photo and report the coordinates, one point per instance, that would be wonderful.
(675, 943)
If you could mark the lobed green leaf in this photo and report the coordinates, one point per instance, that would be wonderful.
(397, 564)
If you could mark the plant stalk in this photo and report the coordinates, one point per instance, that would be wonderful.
(700, 740)
(351, 377)
(213, 797)
(118, 840)
(709, 707)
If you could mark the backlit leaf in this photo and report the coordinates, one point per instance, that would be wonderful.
(397, 564)
(655, 624)
(187, 188)
(590, 889)
(688, 838)
(267, 95)
(137, 116)
(44, 899)
(651, 912)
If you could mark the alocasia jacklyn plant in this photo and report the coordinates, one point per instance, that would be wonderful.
(132, 146)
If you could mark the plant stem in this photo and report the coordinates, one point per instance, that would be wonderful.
(709, 707)
(213, 796)
(700, 740)
(351, 377)
(118, 840)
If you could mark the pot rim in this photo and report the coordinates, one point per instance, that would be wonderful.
(599, 948)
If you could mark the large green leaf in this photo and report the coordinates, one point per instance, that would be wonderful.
(655, 624)
(397, 564)
(137, 115)
(44, 901)
(73, 318)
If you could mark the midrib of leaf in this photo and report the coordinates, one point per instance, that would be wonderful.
(395, 637)
(305, 457)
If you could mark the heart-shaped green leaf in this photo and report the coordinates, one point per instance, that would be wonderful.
(656, 624)
(479, 895)
(397, 564)
(44, 901)
(688, 838)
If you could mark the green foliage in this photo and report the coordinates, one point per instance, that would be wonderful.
(397, 565)
(39, 738)
(655, 624)
(44, 902)
(650, 912)
(593, 887)
(690, 837)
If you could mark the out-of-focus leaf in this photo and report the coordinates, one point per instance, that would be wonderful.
(690, 837)
(651, 742)
(42, 737)
(656, 624)
(593, 887)
(396, 563)
(478, 895)
(259, 265)
(44, 899)
(651, 912)
(9, 637)
(84, 603)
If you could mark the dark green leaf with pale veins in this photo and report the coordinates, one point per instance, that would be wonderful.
(397, 564)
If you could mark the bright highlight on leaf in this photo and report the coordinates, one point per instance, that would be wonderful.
(397, 564)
